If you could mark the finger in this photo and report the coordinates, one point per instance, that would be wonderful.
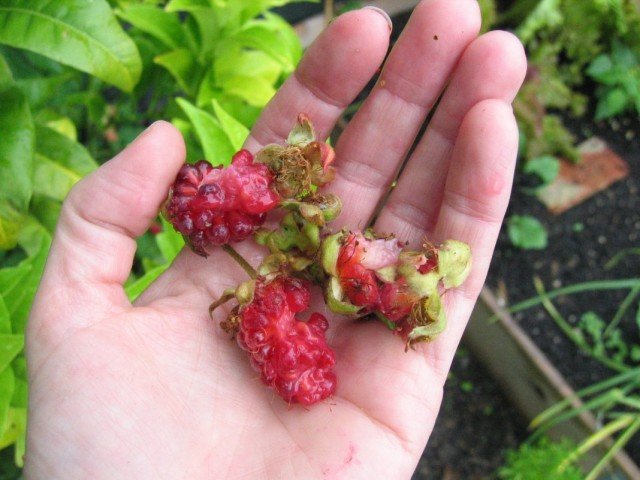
(94, 244)
(333, 71)
(473, 206)
(493, 66)
(335, 68)
(378, 138)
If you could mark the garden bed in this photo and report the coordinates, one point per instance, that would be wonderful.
(581, 243)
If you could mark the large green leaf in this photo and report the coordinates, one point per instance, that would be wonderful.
(273, 36)
(6, 77)
(10, 224)
(215, 143)
(15, 431)
(79, 33)
(10, 347)
(5, 319)
(60, 163)
(160, 24)
(138, 286)
(169, 241)
(255, 91)
(247, 63)
(23, 282)
(183, 66)
(20, 395)
(11, 277)
(40, 90)
(186, 5)
(46, 211)
(236, 132)
(6, 392)
(16, 148)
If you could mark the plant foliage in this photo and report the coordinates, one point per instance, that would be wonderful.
(78, 81)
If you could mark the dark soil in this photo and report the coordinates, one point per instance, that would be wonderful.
(475, 426)
(581, 241)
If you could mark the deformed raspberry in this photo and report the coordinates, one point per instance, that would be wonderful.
(291, 356)
(212, 206)
(372, 274)
(358, 260)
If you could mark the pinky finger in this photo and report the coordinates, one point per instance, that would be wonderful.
(474, 203)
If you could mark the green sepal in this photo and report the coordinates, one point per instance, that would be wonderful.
(302, 132)
(422, 284)
(454, 262)
(312, 233)
(427, 318)
(244, 292)
(387, 274)
(227, 295)
(318, 209)
(333, 298)
(270, 155)
(329, 251)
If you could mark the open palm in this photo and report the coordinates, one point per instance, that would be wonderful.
(157, 390)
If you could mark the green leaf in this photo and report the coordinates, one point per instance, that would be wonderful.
(16, 148)
(186, 5)
(82, 34)
(10, 223)
(10, 277)
(160, 24)
(18, 284)
(46, 211)
(20, 397)
(255, 91)
(31, 236)
(138, 286)
(236, 132)
(182, 65)
(6, 393)
(215, 143)
(612, 103)
(169, 241)
(40, 90)
(546, 167)
(60, 163)
(273, 38)
(5, 319)
(16, 433)
(527, 232)
(64, 126)
(600, 66)
(6, 77)
(246, 63)
(10, 347)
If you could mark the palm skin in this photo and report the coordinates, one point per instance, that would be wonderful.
(157, 390)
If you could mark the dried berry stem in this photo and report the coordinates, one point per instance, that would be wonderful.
(240, 260)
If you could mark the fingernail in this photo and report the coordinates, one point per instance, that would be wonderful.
(383, 13)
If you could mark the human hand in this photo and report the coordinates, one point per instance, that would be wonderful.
(157, 390)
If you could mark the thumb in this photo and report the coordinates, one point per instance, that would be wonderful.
(94, 244)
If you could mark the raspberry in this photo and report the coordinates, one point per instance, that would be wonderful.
(212, 206)
(292, 356)
(358, 260)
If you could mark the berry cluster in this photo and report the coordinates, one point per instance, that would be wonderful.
(292, 356)
(361, 273)
(212, 206)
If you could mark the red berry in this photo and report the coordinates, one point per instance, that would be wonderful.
(213, 206)
(396, 300)
(291, 356)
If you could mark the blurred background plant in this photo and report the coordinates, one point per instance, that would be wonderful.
(78, 81)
